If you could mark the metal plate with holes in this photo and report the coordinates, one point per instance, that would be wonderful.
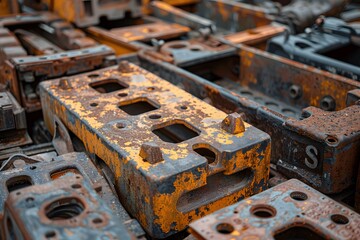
(20, 172)
(291, 210)
(188, 52)
(13, 132)
(23, 74)
(175, 158)
(66, 208)
(272, 92)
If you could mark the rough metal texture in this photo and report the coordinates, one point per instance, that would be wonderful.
(235, 16)
(188, 52)
(172, 14)
(66, 208)
(124, 39)
(23, 74)
(192, 166)
(331, 46)
(287, 211)
(13, 130)
(265, 81)
(20, 171)
(51, 27)
(87, 13)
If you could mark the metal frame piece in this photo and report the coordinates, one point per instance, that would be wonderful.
(288, 210)
(66, 208)
(174, 157)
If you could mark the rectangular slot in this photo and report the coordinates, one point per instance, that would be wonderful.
(108, 85)
(137, 107)
(175, 133)
(88, 8)
(217, 186)
(17, 183)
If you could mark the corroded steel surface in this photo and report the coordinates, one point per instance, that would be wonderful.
(175, 158)
(23, 74)
(286, 211)
(282, 82)
(66, 208)
(20, 171)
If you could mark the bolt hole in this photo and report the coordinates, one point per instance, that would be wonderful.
(76, 186)
(331, 140)
(339, 219)
(298, 196)
(183, 107)
(150, 88)
(94, 104)
(122, 94)
(263, 211)
(225, 228)
(120, 125)
(32, 167)
(97, 221)
(155, 116)
(50, 234)
(93, 75)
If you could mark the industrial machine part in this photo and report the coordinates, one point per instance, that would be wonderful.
(124, 39)
(23, 74)
(50, 27)
(174, 157)
(316, 146)
(286, 211)
(89, 12)
(169, 13)
(9, 46)
(331, 45)
(65, 208)
(13, 129)
(20, 172)
(236, 16)
(40, 152)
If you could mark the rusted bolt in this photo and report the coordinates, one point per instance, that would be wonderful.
(151, 153)
(295, 91)
(233, 123)
(327, 103)
(124, 67)
(64, 84)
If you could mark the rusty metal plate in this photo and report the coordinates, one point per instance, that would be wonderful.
(50, 27)
(255, 37)
(87, 13)
(188, 52)
(175, 158)
(169, 13)
(13, 129)
(143, 32)
(66, 208)
(21, 171)
(272, 92)
(287, 211)
(23, 74)
(236, 16)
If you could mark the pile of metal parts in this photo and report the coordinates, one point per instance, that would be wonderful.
(180, 119)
